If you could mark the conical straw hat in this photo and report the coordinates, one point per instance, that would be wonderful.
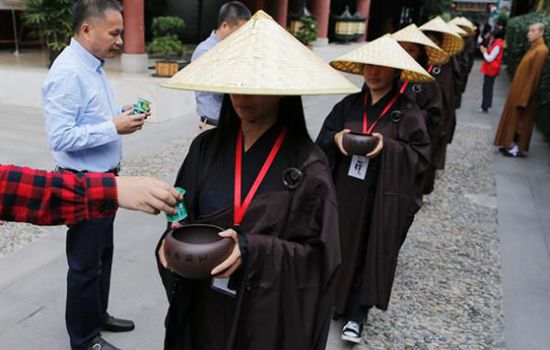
(385, 52)
(452, 42)
(465, 24)
(470, 23)
(412, 34)
(458, 30)
(261, 58)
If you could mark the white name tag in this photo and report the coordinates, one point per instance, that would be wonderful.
(222, 285)
(358, 167)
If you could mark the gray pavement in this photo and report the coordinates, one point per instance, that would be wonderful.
(32, 279)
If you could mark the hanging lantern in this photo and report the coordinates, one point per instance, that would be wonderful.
(345, 27)
(360, 25)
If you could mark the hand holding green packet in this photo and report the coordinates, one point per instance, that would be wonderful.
(180, 208)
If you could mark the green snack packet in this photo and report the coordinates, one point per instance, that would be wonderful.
(180, 207)
(142, 106)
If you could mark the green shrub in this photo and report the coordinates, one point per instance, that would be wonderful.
(51, 21)
(517, 46)
(166, 25)
(165, 39)
(166, 45)
(308, 31)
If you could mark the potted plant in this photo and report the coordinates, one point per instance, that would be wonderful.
(307, 31)
(51, 22)
(167, 44)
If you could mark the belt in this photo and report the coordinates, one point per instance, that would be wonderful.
(115, 171)
(209, 121)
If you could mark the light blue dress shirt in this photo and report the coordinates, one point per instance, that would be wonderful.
(79, 107)
(208, 104)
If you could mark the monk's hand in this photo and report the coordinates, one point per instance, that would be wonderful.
(338, 140)
(379, 145)
(162, 255)
(482, 49)
(233, 262)
(176, 225)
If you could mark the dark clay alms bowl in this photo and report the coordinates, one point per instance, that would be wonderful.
(192, 251)
(359, 144)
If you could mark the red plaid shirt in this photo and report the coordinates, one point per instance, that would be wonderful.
(48, 198)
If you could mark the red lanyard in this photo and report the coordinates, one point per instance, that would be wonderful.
(404, 87)
(366, 129)
(240, 208)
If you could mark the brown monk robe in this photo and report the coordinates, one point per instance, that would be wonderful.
(374, 213)
(518, 116)
(445, 77)
(463, 67)
(429, 99)
(288, 240)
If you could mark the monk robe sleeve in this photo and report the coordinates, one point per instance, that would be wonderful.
(531, 81)
(434, 109)
(411, 149)
(334, 123)
(188, 181)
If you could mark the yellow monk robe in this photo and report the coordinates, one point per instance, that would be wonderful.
(519, 111)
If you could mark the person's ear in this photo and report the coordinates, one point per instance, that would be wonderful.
(85, 28)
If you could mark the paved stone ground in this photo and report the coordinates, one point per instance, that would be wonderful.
(447, 293)
(448, 289)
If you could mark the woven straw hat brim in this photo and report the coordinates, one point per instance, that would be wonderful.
(385, 52)
(470, 23)
(458, 30)
(261, 58)
(411, 34)
(452, 42)
(464, 24)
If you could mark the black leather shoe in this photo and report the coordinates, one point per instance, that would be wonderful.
(118, 325)
(99, 343)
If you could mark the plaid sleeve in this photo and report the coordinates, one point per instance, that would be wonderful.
(48, 198)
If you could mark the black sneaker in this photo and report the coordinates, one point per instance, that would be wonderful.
(518, 154)
(352, 332)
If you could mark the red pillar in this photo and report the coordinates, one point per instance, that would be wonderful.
(363, 7)
(134, 28)
(282, 10)
(321, 10)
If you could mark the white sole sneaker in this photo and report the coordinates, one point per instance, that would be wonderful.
(351, 338)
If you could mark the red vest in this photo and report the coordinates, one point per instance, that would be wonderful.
(493, 69)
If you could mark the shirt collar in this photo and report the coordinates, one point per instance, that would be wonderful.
(214, 37)
(90, 60)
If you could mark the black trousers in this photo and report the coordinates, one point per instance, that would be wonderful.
(488, 84)
(89, 255)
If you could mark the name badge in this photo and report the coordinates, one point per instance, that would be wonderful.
(222, 285)
(358, 167)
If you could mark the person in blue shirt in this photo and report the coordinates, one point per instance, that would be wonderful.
(231, 17)
(84, 127)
